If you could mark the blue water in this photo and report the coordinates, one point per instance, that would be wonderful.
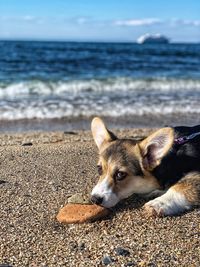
(63, 79)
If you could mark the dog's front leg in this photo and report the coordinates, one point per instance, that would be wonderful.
(179, 198)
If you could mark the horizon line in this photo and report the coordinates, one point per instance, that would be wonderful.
(83, 41)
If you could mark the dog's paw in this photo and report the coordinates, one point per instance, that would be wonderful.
(154, 208)
(171, 203)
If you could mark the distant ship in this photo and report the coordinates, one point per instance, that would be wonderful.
(152, 39)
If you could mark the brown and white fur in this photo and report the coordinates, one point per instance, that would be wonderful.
(126, 167)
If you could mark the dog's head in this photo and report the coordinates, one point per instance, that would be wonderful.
(124, 165)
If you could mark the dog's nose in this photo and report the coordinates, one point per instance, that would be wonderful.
(96, 199)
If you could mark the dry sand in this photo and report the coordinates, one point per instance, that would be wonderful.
(35, 182)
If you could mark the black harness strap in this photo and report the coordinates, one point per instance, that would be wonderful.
(185, 139)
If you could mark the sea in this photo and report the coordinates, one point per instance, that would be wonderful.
(131, 84)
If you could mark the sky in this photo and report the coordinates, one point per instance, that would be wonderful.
(99, 20)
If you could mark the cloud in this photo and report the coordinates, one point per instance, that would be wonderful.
(195, 23)
(26, 18)
(90, 21)
(80, 20)
(155, 21)
(59, 19)
(138, 22)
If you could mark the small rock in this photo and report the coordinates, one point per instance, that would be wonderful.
(73, 245)
(122, 252)
(54, 187)
(79, 199)
(130, 264)
(151, 264)
(2, 182)
(25, 195)
(70, 132)
(81, 246)
(142, 263)
(107, 260)
(27, 144)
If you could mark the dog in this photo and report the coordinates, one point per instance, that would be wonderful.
(164, 166)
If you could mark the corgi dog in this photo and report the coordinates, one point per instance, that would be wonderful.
(164, 166)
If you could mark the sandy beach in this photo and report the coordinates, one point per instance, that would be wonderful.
(39, 171)
(134, 64)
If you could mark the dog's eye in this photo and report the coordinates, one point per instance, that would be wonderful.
(99, 169)
(119, 175)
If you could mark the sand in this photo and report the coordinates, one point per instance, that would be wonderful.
(39, 171)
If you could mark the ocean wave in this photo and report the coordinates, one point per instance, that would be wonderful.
(62, 109)
(110, 85)
(104, 97)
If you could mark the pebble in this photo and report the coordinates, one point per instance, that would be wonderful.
(81, 246)
(2, 182)
(128, 264)
(73, 245)
(78, 198)
(27, 144)
(107, 260)
(122, 252)
(55, 188)
(70, 132)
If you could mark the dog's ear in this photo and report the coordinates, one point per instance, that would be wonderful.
(155, 147)
(100, 133)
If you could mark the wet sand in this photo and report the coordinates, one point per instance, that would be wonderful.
(83, 123)
(39, 171)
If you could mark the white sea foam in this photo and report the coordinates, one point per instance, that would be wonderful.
(30, 88)
(109, 97)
